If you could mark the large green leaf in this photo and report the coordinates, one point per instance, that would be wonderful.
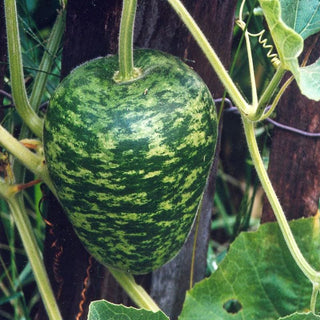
(310, 80)
(288, 42)
(104, 310)
(303, 16)
(301, 316)
(258, 278)
(290, 22)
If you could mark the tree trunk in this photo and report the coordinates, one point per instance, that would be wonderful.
(170, 283)
(294, 166)
(91, 31)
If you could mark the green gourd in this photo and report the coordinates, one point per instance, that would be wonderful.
(129, 161)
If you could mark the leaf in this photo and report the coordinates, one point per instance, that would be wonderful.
(301, 316)
(289, 43)
(310, 80)
(104, 310)
(258, 278)
(303, 16)
(290, 22)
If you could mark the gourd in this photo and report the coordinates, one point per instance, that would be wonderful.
(129, 161)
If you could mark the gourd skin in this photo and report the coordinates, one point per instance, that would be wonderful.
(130, 161)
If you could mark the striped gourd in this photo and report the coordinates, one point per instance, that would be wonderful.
(130, 161)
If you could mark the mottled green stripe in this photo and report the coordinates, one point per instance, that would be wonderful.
(130, 161)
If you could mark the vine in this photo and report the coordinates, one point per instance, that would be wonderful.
(127, 71)
(34, 161)
(250, 113)
(19, 93)
(15, 201)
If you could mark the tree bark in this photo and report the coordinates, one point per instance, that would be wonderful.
(91, 31)
(170, 283)
(294, 165)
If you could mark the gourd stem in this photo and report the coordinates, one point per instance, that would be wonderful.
(47, 60)
(276, 99)
(23, 154)
(41, 78)
(136, 292)
(314, 295)
(267, 94)
(243, 26)
(211, 55)
(32, 161)
(19, 93)
(126, 71)
(24, 227)
(305, 267)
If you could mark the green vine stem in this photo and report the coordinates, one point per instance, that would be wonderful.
(127, 71)
(248, 112)
(270, 90)
(34, 162)
(214, 60)
(305, 267)
(40, 80)
(314, 295)
(276, 99)
(47, 60)
(19, 93)
(136, 292)
(15, 202)
(243, 26)
(258, 106)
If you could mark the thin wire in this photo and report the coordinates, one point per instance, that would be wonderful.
(6, 94)
(295, 130)
(233, 109)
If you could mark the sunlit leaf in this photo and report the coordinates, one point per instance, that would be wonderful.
(290, 22)
(303, 16)
(258, 278)
(301, 316)
(289, 43)
(309, 80)
(104, 310)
